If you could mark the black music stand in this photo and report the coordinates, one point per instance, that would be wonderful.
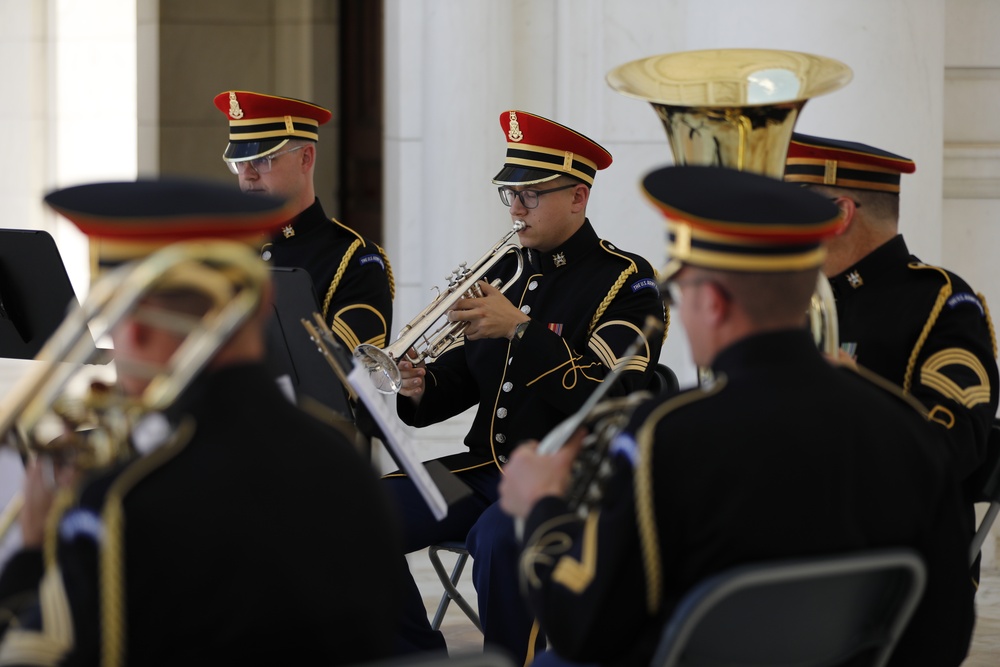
(35, 291)
(290, 352)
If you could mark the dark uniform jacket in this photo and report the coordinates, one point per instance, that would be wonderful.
(235, 542)
(783, 456)
(924, 329)
(588, 301)
(352, 275)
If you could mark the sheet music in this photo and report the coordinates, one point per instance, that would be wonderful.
(398, 440)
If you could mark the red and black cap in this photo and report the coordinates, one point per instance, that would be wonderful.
(261, 124)
(720, 218)
(131, 219)
(540, 150)
(844, 164)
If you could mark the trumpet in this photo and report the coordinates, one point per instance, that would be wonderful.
(382, 364)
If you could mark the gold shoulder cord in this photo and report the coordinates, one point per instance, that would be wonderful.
(942, 298)
(613, 292)
(112, 556)
(340, 274)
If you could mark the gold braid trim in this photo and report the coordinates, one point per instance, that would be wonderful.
(942, 298)
(388, 272)
(345, 260)
(65, 498)
(612, 293)
(112, 557)
(989, 323)
(645, 512)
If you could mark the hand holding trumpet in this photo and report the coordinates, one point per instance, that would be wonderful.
(490, 315)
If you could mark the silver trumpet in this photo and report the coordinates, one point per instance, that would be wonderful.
(382, 364)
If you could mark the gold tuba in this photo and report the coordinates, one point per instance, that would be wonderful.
(737, 108)
(381, 364)
(41, 416)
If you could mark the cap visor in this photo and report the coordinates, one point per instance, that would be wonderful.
(523, 176)
(238, 151)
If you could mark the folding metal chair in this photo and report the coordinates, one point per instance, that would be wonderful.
(811, 612)
(450, 582)
(987, 486)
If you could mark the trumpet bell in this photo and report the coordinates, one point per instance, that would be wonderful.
(731, 108)
(381, 367)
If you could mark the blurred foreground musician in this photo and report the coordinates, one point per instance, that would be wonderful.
(223, 541)
(783, 455)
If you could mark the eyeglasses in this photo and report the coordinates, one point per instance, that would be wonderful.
(529, 198)
(673, 289)
(261, 165)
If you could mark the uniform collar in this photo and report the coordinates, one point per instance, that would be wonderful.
(574, 250)
(887, 260)
(765, 351)
(305, 222)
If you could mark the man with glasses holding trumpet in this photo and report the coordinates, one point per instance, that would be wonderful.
(214, 533)
(781, 455)
(529, 356)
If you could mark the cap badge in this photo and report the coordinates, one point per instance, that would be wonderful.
(514, 134)
(567, 161)
(234, 107)
(830, 172)
(854, 278)
(559, 259)
(288, 231)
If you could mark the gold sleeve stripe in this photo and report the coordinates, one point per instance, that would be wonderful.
(932, 377)
(341, 329)
(577, 575)
(48, 646)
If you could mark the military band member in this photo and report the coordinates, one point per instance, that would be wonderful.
(273, 142)
(529, 358)
(920, 326)
(222, 540)
(761, 463)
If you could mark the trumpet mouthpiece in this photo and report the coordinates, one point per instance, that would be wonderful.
(519, 225)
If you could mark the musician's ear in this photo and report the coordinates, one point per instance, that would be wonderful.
(581, 195)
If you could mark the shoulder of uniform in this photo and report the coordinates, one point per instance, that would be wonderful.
(649, 416)
(886, 388)
(351, 232)
(624, 256)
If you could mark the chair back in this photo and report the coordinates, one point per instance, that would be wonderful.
(664, 381)
(815, 612)
(985, 488)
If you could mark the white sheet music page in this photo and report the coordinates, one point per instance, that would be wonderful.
(398, 440)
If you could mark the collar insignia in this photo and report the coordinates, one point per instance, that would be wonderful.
(854, 278)
(559, 259)
(288, 231)
(235, 112)
(514, 134)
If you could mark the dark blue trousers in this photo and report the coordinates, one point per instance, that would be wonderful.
(489, 536)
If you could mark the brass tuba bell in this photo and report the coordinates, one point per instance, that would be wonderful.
(737, 108)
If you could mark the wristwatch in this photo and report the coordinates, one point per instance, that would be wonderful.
(520, 329)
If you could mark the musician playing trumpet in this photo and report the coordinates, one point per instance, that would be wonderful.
(782, 455)
(529, 357)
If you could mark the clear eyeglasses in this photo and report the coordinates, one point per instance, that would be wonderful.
(529, 198)
(261, 165)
